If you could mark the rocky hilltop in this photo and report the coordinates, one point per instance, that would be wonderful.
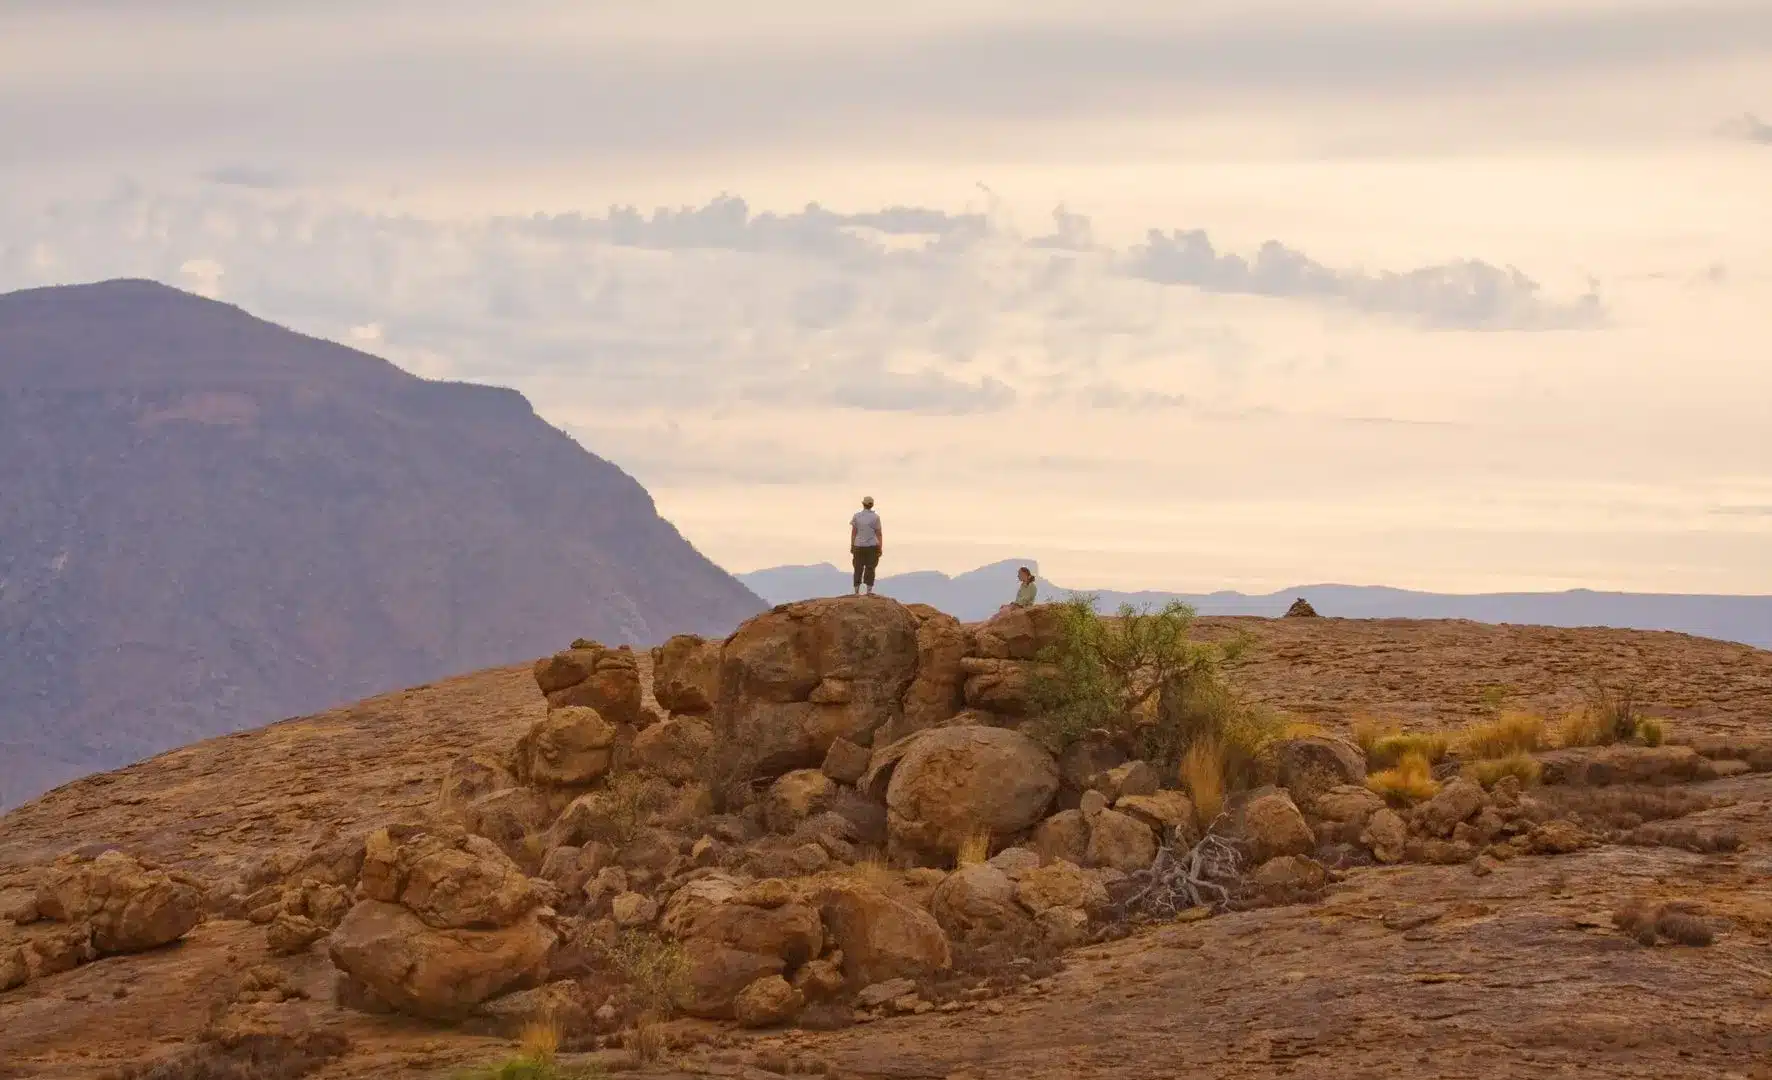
(842, 842)
(210, 522)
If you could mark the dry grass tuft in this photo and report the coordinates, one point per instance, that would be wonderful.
(1203, 770)
(1521, 765)
(655, 971)
(1389, 750)
(1621, 806)
(1410, 781)
(1367, 731)
(1304, 729)
(1651, 732)
(1507, 735)
(975, 848)
(1582, 727)
(539, 1041)
(647, 1039)
(1679, 921)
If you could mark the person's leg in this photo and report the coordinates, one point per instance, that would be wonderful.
(857, 557)
(872, 564)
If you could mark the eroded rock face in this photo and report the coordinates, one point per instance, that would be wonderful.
(129, 906)
(686, 674)
(674, 749)
(437, 973)
(447, 880)
(795, 679)
(571, 746)
(955, 781)
(607, 680)
(934, 695)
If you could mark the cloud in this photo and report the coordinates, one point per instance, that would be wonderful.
(1749, 127)
(536, 80)
(1743, 511)
(1465, 294)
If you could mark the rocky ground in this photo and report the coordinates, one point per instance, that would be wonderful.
(1505, 966)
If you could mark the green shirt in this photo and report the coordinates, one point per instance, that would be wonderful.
(1024, 596)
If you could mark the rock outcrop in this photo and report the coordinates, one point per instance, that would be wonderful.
(799, 677)
(447, 922)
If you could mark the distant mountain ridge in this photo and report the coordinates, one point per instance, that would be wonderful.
(209, 522)
(977, 593)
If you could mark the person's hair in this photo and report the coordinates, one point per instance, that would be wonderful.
(867, 501)
(1024, 570)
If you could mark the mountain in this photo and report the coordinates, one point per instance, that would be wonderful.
(978, 593)
(208, 522)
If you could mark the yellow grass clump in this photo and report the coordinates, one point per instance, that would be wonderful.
(1410, 780)
(1582, 726)
(1508, 734)
(539, 1041)
(1651, 732)
(1203, 770)
(974, 848)
(1487, 771)
(1390, 750)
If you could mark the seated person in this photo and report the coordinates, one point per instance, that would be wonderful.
(1024, 596)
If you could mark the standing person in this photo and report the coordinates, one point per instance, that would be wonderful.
(867, 541)
(1024, 596)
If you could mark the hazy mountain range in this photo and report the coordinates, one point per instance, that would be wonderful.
(208, 522)
(978, 593)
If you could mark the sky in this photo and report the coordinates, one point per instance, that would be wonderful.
(1469, 296)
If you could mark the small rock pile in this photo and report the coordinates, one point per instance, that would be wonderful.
(99, 905)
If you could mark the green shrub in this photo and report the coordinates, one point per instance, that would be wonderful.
(1140, 681)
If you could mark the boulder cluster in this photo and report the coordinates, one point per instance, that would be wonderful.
(831, 809)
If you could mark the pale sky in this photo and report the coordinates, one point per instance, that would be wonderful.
(1269, 293)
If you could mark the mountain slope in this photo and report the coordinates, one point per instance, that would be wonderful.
(977, 593)
(209, 522)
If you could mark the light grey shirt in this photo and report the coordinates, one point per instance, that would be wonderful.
(867, 528)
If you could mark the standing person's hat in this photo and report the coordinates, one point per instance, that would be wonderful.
(867, 501)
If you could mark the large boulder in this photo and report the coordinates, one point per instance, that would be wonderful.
(447, 879)
(881, 937)
(935, 694)
(791, 931)
(686, 674)
(1272, 826)
(569, 747)
(957, 781)
(607, 680)
(1164, 811)
(976, 901)
(1457, 802)
(1120, 841)
(795, 679)
(129, 906)
(715, 975)
(1061, 884)
(1310, 765)
(1064, 835)
(438, 973)
(795, 797)
(1021, 633)
(768, 1002)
